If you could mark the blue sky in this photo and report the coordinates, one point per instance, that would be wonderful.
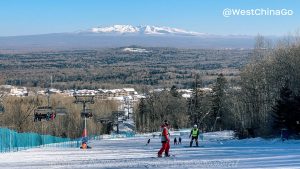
(24, 17)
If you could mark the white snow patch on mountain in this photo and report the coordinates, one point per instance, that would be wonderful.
(147, 30)
(116, 29)
(136, 50)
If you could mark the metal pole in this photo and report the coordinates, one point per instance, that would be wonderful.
(85, 124)
(85, 129)
(127, 107)
(43, 138)
(117, 121)
(48, 97)
(117, 127)
(84, 111)
(10, 140)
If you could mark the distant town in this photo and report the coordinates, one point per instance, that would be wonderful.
(103, 94)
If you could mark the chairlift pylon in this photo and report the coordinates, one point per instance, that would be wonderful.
(2, 110)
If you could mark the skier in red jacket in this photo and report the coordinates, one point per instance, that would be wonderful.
(165, 140)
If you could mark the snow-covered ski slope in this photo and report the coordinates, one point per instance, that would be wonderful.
(218, 151)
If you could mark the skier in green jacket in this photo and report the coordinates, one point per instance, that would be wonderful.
(194, 134)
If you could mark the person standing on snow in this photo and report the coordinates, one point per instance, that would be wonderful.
(195, 135)
(165, 140)
(175, 141)
(179, 140)
(148, 142)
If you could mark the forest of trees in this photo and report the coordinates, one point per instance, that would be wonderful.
(208, 109)
(265, 101)
(115, 68)
(19, 116)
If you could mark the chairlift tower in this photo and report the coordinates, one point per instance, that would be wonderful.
(106, 121)
(113, 120)
(1, 104)
(116, 115)
(84, 99)
(128, 105)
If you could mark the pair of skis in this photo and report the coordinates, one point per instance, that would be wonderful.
(170, 156)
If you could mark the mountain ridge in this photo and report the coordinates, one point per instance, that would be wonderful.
(122, 36)
(144, 29)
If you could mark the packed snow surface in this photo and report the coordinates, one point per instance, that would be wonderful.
(217, 150)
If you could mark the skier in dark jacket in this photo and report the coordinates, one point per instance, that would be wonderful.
(195, 135)
(148, 142)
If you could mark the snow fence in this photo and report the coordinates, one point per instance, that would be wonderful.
(11, 140)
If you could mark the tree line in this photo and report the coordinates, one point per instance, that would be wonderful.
(19, 116)
(262, 102)
(208, 109)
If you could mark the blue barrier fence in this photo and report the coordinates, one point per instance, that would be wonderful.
(11, 140)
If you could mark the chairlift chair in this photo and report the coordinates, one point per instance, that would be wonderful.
(118, 113)
(60, 111)
(84, 98)
(87, 113)
(104, 120)
(44, 112)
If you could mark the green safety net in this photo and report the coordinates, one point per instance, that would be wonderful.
(11, 140)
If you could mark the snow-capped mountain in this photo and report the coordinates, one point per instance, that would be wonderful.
(122, 36)
(147, 30)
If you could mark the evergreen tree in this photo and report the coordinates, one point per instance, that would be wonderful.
(283, 109)
(173, 91)
(219, 107)
(297, 114)
(194, 103)
(141, 115)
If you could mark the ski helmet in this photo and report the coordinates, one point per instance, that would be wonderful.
(166, 122)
